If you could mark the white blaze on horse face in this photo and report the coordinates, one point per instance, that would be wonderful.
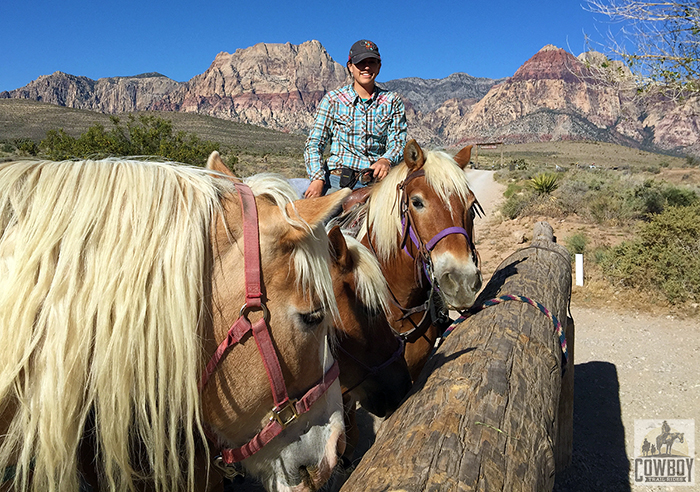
(459, 279)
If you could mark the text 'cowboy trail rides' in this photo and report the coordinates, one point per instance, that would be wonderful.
(664, 452)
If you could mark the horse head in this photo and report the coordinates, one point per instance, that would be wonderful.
(439, 210)
(300, 309)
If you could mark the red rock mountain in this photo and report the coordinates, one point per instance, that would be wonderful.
(552, 96)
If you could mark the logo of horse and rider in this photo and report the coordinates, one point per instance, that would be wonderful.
(662, 444)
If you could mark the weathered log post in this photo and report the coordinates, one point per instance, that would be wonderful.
(485, 413)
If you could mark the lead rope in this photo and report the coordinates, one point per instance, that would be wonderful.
(509, 297)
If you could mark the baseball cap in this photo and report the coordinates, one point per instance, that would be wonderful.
(362, 50)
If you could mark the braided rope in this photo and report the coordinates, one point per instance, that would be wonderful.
(498, 300)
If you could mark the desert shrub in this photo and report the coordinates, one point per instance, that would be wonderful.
(143, 136)
(544, 183)
(692, 161)
(680, 197)
(610, 208)
(517, 165)
(512, 189)
(665, 257)
(577, 243)
(649, 197)
(653, 197)
(26, 146)
(573, 196)
(514, 206)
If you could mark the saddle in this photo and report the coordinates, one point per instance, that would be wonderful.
(357, 197)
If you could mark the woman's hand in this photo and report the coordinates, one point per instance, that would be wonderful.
(315, 189)
(381, 168)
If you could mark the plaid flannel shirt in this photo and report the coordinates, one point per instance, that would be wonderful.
(360, 132)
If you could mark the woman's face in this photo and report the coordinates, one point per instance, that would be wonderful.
(365, 72)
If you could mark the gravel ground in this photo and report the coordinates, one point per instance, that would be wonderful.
(628, 366)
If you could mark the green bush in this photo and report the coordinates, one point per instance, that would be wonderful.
(665, 258)
(514, 206)
(653, 197)
(512, 189)
(26, 146)
(143, 136)
(577, 243)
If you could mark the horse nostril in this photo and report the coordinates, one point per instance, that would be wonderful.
(448, 283)
(478, 283)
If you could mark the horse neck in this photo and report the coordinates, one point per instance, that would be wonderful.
(400, 273)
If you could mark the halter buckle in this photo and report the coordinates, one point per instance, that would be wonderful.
(285, 414)
(245, 309)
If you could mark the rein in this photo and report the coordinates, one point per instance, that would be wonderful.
(510, 297)
(286, 410)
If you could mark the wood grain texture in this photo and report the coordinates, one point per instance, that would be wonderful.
(485, 413)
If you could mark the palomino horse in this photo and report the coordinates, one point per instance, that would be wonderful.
(118, 281)
(372, 368)
(419, 224)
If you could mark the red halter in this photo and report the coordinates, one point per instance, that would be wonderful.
(286, 410)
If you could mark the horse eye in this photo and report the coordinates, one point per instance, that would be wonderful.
(417, 202)
(312, 319)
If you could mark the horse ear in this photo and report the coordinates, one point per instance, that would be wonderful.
(413, 155)
(464, 156)
(215, 163)
(339, 248)
(314, 211)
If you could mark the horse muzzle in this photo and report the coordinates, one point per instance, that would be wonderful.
(459, 286)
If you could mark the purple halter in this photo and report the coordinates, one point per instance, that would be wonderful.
(435, 239)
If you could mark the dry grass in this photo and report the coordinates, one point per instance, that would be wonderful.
(566, 154)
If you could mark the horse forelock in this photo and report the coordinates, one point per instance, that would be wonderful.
(108, 268)
(311, 256)
(442, 174)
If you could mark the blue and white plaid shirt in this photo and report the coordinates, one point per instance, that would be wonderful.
(360, 132)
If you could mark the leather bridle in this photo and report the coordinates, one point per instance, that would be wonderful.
(422, 261)
(286, 410)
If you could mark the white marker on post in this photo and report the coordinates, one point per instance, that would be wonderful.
(579, 270)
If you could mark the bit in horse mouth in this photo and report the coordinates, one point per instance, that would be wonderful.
(309, 477)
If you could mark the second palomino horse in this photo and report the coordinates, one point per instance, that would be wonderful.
(419, 222)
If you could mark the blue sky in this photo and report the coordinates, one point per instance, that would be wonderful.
(427, 39)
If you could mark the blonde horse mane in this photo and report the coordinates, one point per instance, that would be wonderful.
(383, 209)
(310, 258)
(102, 284)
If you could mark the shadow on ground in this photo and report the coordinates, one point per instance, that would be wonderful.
(599, 460)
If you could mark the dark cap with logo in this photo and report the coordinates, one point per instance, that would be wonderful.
(362, 50)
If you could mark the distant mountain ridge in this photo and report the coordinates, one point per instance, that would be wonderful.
(552, 96)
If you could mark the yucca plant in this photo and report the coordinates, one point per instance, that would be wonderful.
(544, 183)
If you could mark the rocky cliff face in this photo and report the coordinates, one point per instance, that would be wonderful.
(428, 95)
(272, 85)
(552, 96)
(108, 95)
